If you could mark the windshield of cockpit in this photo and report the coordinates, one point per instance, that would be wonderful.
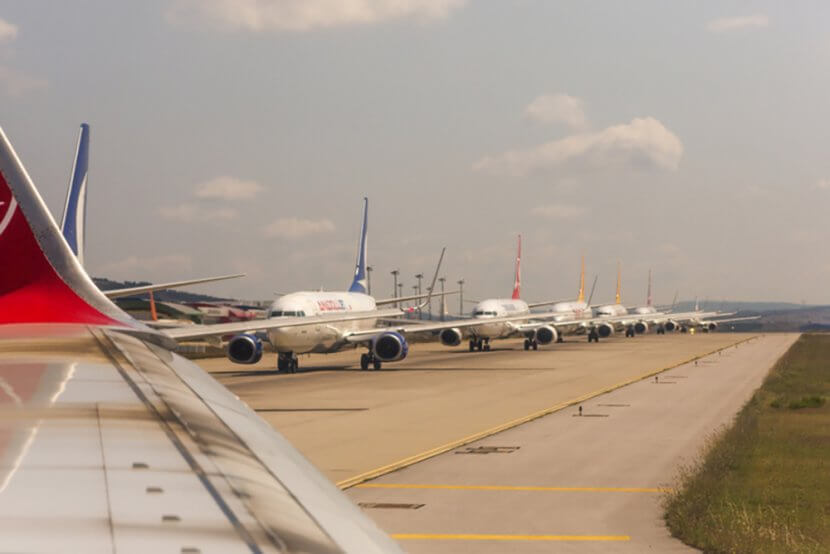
(484, 313)
(286, 313)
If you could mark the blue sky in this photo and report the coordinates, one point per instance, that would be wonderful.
(241, 135)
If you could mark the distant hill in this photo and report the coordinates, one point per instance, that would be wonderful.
(162, 296)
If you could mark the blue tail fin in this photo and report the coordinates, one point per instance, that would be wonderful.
(74, 212)
(359, 283)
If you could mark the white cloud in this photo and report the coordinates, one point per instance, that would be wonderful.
(8, 31)
(294, 228)
(822, 184)
(303, 15)
(188, 213)
(15, 83)
(135, 267)
(725, 24)
(559, 211)
(228, 188)
(558, 108)
(644, 142)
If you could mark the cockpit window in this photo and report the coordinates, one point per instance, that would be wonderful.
(287, 313)
(484, 312)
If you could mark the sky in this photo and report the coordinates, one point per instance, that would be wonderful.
(690, 138)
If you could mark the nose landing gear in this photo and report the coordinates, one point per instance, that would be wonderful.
(287, 361)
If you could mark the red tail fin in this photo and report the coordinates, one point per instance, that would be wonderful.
(41, 280)
(517, 283)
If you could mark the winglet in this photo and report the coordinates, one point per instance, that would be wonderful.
(619, 277)
(42, 280)
(431, 288)
(517, 282)
(73, 224)
(581, 297)
(359, 284)
(648, 294)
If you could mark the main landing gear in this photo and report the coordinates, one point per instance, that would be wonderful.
(479, 344)
(287, 361)
(531, 344)
(629, 332)
(661, 330)
(593, 336)
(369, 359)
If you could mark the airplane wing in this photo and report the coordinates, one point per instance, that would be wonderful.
(546, 303)
(130, 291)
(219, 329)
(111, 442)
(387, 301)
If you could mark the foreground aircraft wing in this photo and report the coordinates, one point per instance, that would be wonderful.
(220, 329)
(111, 442)
(130, 291)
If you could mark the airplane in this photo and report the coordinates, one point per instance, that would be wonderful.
(73, 223)
(360, 329)
(113, 442)
(502, 318)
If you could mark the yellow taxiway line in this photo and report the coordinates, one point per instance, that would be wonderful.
(476, 537)
(400, 464)
(509, 488)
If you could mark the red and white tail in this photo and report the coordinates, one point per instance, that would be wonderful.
(41, 280)
(517, 282)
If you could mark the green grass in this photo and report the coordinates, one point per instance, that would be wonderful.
(763, 484)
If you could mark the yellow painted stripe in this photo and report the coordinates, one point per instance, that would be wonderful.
(507, 488)
(389, 468)
(475, 537)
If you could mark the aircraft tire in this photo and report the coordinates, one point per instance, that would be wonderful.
(527, 344)
(376, 364)
(364, 362)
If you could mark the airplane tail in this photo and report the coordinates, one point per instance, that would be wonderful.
(517, 282)
(359, 284)
(74, 211)
(42, 281)
(619, 283)
(648, 294)
(581, 297)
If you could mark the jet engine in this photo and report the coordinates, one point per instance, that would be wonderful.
(451, 337)
(390, 347)
(546, 334)
(710, 326)
(245, 349)
(605, 330)
(641, 327)
(671, 325)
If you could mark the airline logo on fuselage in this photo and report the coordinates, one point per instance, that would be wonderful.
(7, 209)
(331, 305)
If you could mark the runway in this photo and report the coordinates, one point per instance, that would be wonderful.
(571, 483)
(355, 424)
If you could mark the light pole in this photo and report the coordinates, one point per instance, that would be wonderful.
(414, 292)
(400, 292)
(395, 286)
(369, 278)
(461, 297)
(419, 277)
(443, 298)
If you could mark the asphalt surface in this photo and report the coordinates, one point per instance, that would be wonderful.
(355, 424)
(571, 483)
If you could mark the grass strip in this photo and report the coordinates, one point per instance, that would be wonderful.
(763, 484)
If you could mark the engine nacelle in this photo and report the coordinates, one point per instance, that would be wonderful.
(710, 326)
(605, 330)
(245, 349)
(546, 334)
(641, 327)
(451, 337)
(390, 347)
(671, 325)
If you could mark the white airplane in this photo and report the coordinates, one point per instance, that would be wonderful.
(110, 441)
(73, 224)
(502, 318)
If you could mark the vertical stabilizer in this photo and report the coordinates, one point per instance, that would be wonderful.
(359, 284)
(517, 282)
(648, 294)
(73, 225)
(581, 296)
(619, 278)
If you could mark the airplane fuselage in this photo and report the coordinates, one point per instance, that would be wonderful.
(494, 308)
(323, 337)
